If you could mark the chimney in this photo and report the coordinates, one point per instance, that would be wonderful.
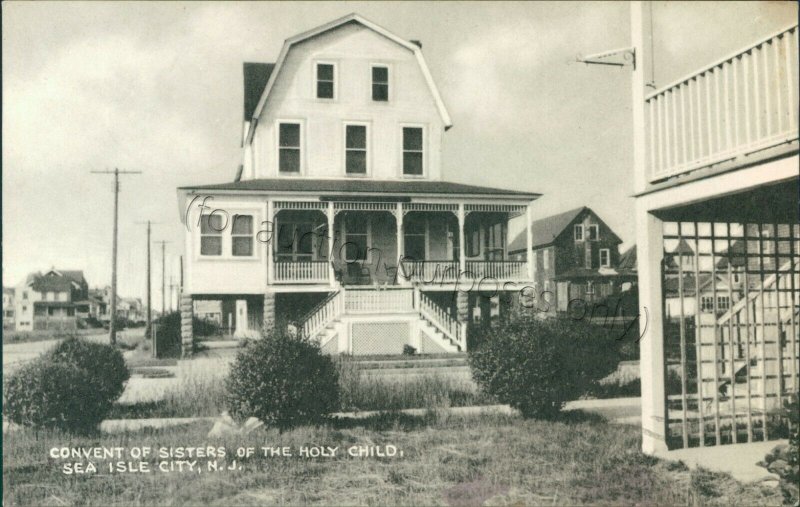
(416, 43)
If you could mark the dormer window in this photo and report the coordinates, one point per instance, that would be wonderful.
(579, 232)
(326, 76)
(380, 83)
(355, 149)
(412, 151)
(289, 148)
(594, 232)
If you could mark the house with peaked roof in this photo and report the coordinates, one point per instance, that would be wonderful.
(575, 256)
(339, 220)
(50, 300)
(8, 307)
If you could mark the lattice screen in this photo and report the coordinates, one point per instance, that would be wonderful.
(731, 299)
(380, 337)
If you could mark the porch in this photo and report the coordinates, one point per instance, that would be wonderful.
(391, 243)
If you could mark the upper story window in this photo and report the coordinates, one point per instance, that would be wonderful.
(211, 235)
(380, 83)
(605, 257)
(326, 77)
(546, 258)
(355, 149)
(412, 151)
(594, 232)
(289, 148)
(242, 236)
(578, 232)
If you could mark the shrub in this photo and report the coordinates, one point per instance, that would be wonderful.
(72, 387)
(409, 350)
(536, 365)
(282, 380)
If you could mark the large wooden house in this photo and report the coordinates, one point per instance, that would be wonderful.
(339, 221)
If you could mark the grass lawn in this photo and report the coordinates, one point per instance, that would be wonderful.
(447, 460)
(11, 337)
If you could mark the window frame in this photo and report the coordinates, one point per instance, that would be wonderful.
(388, 82)
(423, 151)
(578, 227)
(596, 228)
(300, 147)
(228, 211)
(251, 235)
(334, 81)
(218, 234)
(367, 148)
(607, 264)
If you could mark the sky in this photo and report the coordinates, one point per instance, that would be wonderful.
(157, 87)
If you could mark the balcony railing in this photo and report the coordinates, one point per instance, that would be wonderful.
(740, 105)
(301, 272)
(500, 270)
(430, 271)
(378, 301)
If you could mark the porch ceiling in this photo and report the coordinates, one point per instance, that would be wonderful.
(776, 203)
(382, 188)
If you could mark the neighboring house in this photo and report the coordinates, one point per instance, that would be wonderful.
(48, 301)
(576, 257)
(8, 307)
(715, 185)
(339, 219)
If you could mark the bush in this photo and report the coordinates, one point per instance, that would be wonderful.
(409, 350)
(282, 380)
(536, 365)
(72, 387)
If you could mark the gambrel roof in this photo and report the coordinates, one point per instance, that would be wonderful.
(350, 18)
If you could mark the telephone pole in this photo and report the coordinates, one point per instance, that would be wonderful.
(163, 277)
(148, 332)
(112, 327)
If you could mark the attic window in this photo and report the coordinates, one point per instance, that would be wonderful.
(578, 232)
(380, 83)
(594, 232)
(325, 80)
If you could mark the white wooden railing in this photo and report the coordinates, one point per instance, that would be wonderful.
(430, 271)
(378, 300)
(301, 271)
(740, 105)
(323, 314)
(437, 316)
(500, 270)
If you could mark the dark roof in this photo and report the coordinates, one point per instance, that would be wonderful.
(672, 284)
(363, 186)
(627, 261)
(545, 230)
(56, 280)
(256, 76)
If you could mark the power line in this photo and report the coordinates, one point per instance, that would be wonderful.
(112, 328)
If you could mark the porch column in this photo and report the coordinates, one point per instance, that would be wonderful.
(529, 241)
(269, 311)
(462, 258)
(272, 238)
(187, 333)
(400, 245)
(331, 217)
(650, 248)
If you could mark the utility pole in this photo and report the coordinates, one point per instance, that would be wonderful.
(148, 333)
(172, 287)
(112, 327)
(163, 277)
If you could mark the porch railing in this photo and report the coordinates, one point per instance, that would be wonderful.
(742, 104)
(373, 300)
(436, 315)
(500, 270)
(430, 271)
(323, 314)
(300, 271)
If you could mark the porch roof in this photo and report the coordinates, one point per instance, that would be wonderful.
(361, 186)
